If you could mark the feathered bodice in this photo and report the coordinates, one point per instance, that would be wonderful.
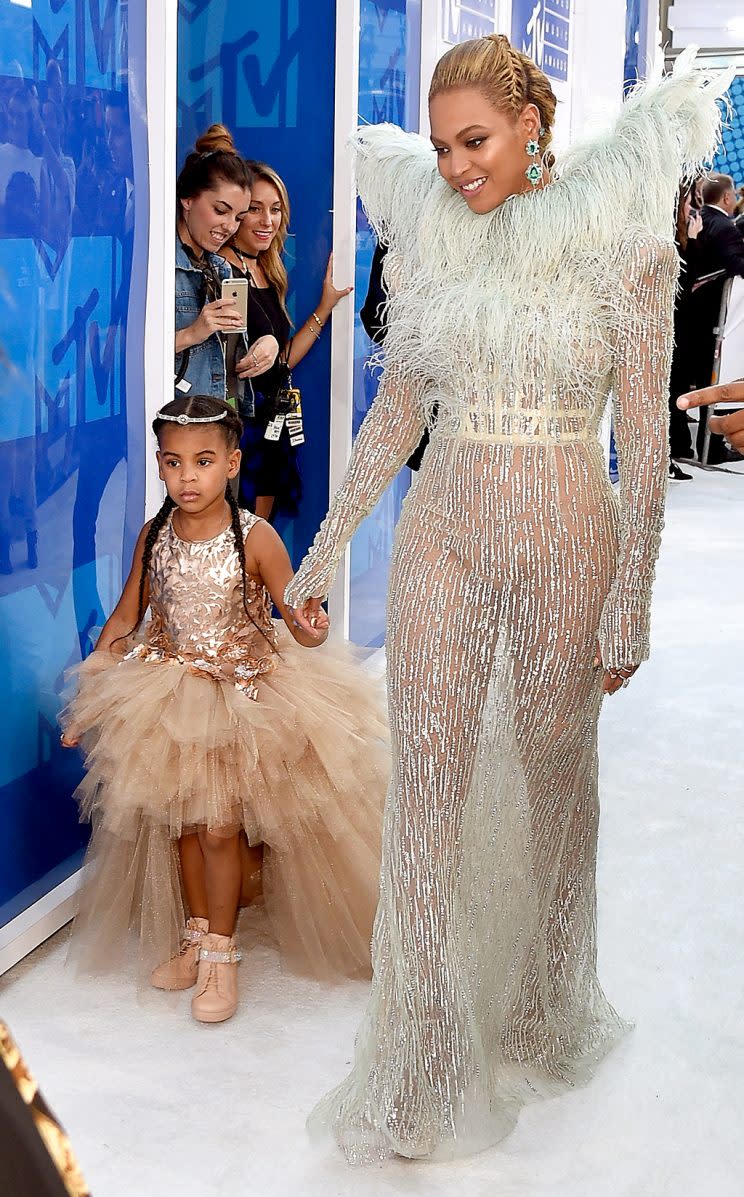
(198, 615)
(513, 318)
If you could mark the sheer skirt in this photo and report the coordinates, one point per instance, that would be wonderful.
(485, 992)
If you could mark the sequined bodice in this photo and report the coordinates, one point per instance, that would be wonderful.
(198, 616)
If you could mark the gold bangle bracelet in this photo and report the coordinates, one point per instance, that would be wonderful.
(317, 319)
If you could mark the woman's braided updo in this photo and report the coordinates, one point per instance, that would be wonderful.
(507, 78)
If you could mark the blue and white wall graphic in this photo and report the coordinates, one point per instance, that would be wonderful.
(73, 194)
(267, 72)
(464, 19)
(389, 73)
(541, 29)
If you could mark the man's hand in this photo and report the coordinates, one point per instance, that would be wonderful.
(731, 426)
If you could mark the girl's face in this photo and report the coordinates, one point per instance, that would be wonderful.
(481, 153)
(261, 224)
(196, 464)
(214, 216)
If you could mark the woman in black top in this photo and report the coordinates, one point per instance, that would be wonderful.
(269, 475)
(682, 376)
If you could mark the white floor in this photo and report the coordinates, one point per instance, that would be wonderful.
(160, 1107)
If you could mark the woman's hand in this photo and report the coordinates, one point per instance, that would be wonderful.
(259, 358)
(614, 679)
(311, 618)
(694, 224)
(330, 295)
(219, 316)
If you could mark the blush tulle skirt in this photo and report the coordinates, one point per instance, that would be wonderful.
(302, 770)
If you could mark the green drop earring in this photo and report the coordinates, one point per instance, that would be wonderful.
(534, 171)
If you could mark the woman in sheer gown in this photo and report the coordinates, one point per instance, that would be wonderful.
(520, 583)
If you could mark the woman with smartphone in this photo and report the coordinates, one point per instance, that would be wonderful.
(270, 477)
(219, 343)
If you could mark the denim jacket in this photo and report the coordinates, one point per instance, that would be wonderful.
(206, 365)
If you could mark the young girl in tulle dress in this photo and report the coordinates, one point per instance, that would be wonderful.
(212, 732)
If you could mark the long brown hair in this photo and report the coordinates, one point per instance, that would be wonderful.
(270, 260)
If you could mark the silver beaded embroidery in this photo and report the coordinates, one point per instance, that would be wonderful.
(514, 562)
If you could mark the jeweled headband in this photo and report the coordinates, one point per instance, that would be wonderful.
(184, 419)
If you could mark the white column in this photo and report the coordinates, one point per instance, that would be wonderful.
(344, 253)
(597, 65)
(162, 67)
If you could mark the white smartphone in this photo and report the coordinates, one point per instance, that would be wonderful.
(236, 289)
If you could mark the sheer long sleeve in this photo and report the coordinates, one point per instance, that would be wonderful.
(391, 430)
(641, 435)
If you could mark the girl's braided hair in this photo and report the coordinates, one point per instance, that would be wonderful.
(198, 407)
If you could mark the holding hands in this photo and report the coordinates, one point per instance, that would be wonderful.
(311, 618)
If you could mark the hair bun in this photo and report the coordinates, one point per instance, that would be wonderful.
(217, 139)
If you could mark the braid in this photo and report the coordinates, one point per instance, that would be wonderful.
(237, 530)
(506, 76)
(153, 532)
(512, 73)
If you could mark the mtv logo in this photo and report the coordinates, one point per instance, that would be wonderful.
(255, 75)
(463, 19)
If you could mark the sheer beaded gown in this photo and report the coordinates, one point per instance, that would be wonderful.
(513, 560)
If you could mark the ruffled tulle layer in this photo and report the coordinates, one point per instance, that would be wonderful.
(302, 770)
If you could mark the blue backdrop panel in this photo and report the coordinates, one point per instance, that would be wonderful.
(389, 61)
(72, 293)
(541, 29)
(267, 72)
(464, 19)
(730, 160)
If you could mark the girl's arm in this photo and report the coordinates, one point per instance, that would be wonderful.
(309, 333)
(267, 559)
(124, 618)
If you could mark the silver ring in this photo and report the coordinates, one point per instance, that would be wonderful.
(255, 359)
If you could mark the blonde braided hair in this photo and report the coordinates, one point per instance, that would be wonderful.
(507, 78)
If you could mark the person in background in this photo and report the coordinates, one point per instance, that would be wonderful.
(730, 426)
(374, 321)
(689, 224)
(213, 193)
(38, 1158)
(269, 477)
(720, 252)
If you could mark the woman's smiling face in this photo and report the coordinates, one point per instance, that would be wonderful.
(263, 219)
(213, 217)
(481, 152)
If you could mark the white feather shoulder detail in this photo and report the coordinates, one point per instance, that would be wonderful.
(667, 128)
(395, 171)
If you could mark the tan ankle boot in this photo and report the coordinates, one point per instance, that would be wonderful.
(181, 972)
(216, 997)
